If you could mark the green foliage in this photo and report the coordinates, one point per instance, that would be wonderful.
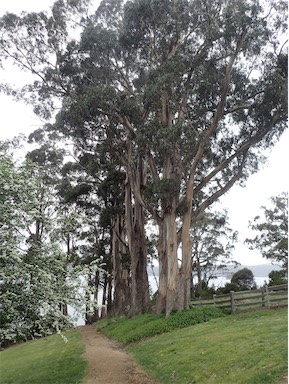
(278, 277)
(244, 279)
(213, 243)
(48, 361)
(162, 191)
(38, 250)
(131, 55)
(33, 267)
(272, 229)
(204, 292)
(139, 327)
(228, 288)
(195, 90)
(239, 349)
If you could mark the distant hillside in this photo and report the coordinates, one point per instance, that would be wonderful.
(261, 270)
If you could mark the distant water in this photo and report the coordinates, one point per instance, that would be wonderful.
(221, 281)
(153, 282)
(218, 282)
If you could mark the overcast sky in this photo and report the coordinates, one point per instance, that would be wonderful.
(242, 203)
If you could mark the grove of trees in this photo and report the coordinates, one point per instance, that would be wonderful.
(271, 238)
(212, 249)
(241, 280)
(33, 267)
(164, 106)
(44, 248)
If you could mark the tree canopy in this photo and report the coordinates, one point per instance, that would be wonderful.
(34, 278)
(272, 230)
(243, 279)
(181, 96)
(212, 249)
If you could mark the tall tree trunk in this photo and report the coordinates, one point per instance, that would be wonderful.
(187, 248)
(135, 225)
(169, 279)
(88, 302)
(174, 281)
(171, 289)
(109, 304)
(104, 298)
(121, 297)
(186, 271)
(140, 299)
(107, 299)
(95, 315)
(199, 273)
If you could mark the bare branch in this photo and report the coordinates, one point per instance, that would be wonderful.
(152, 165)
(200, 211)
(243, 148)
(217, 117)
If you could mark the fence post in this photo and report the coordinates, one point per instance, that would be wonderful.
(267, 296)
(214, 298)
(233, 304)
(263, 295)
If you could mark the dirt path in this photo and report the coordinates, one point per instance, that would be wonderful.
(108, 363)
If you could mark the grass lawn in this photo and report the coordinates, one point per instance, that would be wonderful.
(45, 361)
(147, 325)
(243, 349)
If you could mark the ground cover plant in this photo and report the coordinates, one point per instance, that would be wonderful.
(246, 348)
(147, 325)
(48, 360)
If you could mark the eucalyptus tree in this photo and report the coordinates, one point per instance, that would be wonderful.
(42, 241)
(212, 248)
(101, 201)
(185, 94)
(272, 231)
(77, 225)
(173, 95)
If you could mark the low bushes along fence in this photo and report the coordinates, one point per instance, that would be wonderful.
(265, 297)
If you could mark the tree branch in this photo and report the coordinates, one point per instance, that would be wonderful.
(200, 211)
(244, 147)
(152, 165)
(217, 117)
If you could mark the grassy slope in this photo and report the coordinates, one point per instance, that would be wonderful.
(140, 327)
(45, 361)
(248, 348)
(242, 349)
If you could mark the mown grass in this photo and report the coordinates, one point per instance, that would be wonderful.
(147, 325)
(241, 349)
(45, 361)
(256, 298)
(246, 348)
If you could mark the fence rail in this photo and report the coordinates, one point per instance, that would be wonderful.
(265, 297)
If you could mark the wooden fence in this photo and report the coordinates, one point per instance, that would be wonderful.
(266, 297)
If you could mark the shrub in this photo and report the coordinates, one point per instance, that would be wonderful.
(148, 325)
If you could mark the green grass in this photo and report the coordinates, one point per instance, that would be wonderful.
(45, 361)
(249, 348)
(243, 349)
(246, 297)
(140, 327)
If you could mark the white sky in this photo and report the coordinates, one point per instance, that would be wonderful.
(242, 203)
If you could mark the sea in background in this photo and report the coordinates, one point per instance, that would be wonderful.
(217, 282)
(260, 273)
